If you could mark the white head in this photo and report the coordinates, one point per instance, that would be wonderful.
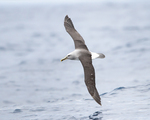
(72, 56)
(69, 56)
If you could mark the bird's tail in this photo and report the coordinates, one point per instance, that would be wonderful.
(101, 55)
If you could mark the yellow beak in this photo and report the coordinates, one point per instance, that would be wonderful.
(64, 58)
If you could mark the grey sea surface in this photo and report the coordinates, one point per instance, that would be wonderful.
(35, 85)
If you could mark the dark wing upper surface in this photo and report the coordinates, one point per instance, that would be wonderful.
(85, 59)
(78, 40)
(89, 74)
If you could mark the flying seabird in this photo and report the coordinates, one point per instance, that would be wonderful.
(82, 53)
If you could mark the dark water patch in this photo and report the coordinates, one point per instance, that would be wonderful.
(128, 45)
(143, 88)
(119, 88)
(97, 113)
(84, 118)
(20, 27)
(58, 89)
(148, 84)
(76, 82)
(17, 111)
(131, 28)
(137, 50)
(30, 102)
(37, 89)
(57, 79)
(147, 28)
(41, 61)
(113, 93)
(72, 118)
(52, 100)
(55, 109)
(53, 35)
(74, 95)
(2, 48)
(18, 89)
(20, 54)
(23, 62)
(139, 88)
(2, 77)
(35, 70)
(36, 35)
(30, 116)
(105, 28)
(142, 40)
(103, 94)
(8, 47)
(7, 102)
(117, 48)
(96, 116)
(29, 50)
(88, 99)
(38, 109)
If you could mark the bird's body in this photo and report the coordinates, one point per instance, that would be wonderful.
(82, 53)
(74, 55)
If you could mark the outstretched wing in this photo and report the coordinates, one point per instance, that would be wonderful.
(89, 74)
(78, 40)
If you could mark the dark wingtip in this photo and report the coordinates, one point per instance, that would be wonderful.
(66, 17)
(96, 97)
(99, 102)
(68, 22)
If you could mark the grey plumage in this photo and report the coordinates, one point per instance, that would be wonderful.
(77, 38)
(85, 58)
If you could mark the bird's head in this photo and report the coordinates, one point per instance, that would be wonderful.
(65, 58)
(74, 55)
(69, 56)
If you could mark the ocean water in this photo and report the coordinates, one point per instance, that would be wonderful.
(35, 85)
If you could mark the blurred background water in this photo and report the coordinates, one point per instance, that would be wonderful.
(35, 85)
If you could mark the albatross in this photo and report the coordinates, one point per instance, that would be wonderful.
(82, 53)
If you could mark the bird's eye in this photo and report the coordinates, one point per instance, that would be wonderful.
(68, 55)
